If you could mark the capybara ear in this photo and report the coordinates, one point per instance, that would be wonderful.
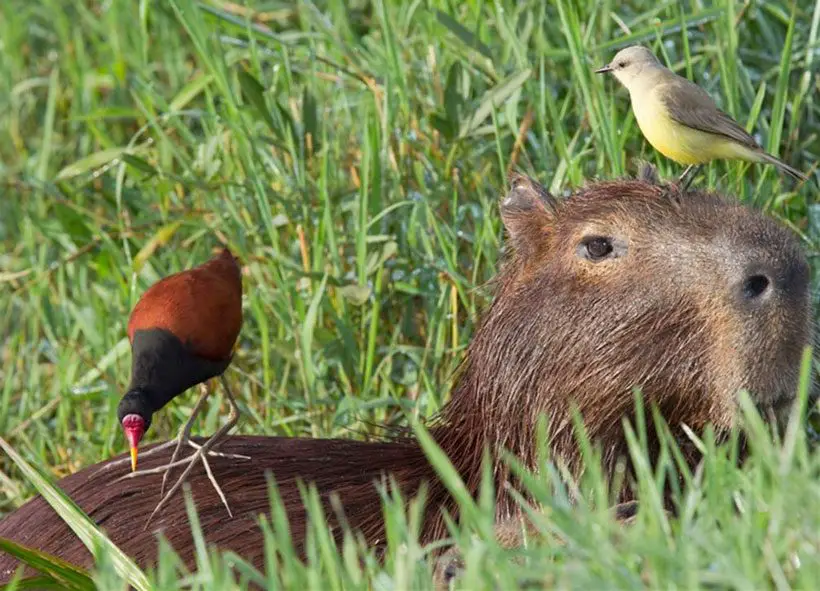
(527, 212)
(647, 172)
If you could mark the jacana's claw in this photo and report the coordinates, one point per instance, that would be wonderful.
(143, 454)
(219, 454)
(165, 468)
(202, 454)
(203, 457)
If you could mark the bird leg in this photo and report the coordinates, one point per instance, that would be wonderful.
(183, 438)
(686, 178)
(201, 454)
(184, 434)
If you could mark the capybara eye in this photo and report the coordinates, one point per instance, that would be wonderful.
(597, 248)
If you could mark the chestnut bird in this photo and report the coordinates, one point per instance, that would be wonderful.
(182, 333)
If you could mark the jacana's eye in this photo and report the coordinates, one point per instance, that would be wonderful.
(599, 248)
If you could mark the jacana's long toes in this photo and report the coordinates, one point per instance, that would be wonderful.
(127, 460)
(215, 484)
(165, 468)
(182, 438)
(200, 454)
(219, 454)
(157, 470)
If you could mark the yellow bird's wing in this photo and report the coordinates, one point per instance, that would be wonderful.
(690, 105)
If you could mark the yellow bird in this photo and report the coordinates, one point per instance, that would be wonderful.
(680, 119)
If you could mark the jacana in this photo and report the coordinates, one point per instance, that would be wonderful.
(182, 333)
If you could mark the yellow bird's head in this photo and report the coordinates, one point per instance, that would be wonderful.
(630, 63)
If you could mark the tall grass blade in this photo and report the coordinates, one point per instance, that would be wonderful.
(79, 522)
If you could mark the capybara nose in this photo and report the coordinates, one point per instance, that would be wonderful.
(784, 280)
(756, 286)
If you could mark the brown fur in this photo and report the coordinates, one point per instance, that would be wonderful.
(514, 532)
(669, 316)
(207, 325)
(345, 467)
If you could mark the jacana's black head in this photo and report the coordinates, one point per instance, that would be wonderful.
(134, 413)
(162, 368)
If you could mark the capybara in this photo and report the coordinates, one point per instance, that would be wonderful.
(628, 283)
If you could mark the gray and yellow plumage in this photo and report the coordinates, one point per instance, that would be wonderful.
(679, 118)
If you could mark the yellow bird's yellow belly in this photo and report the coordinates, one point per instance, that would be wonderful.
(676, 141)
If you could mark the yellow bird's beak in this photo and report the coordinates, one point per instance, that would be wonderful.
(133, 459)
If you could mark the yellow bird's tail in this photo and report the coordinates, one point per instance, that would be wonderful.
(783, 166)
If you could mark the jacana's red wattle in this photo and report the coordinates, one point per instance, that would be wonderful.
(134, 427)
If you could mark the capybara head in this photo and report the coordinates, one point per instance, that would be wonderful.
(689, 297)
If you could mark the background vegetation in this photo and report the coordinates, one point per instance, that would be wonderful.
(351, 154)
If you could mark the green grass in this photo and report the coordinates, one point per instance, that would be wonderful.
(352, 154)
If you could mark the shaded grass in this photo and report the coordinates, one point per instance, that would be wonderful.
(351, 154)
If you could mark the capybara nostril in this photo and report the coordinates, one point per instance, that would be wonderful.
(774, 278)
(756, 287)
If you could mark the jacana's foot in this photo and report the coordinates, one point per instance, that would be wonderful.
(201, 455)
(183, 441)
(127, 460)
(165, 468)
